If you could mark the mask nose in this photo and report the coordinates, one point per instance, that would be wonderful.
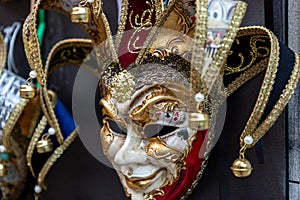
(132, 151)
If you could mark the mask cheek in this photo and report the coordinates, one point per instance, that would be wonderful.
(179, 140)
(111, 142)
(158, 150)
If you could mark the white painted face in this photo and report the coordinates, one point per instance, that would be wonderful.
(146, 139)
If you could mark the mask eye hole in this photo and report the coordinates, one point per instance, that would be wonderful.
(155, 130)
(116, 127)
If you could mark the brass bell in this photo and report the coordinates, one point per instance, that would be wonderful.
(3, 170)
(241, 167)
(80, 15)
(28, 91)
(44, 146)
(199, 121)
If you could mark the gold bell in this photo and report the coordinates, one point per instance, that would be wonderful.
(28, 91)
(241, 167)
(3, 170)
(199, 121)
(80, 15)
(44, 146)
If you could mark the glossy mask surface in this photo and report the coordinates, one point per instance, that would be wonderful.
(147, 137)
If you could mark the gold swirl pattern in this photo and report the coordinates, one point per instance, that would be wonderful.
(139, 23)
(256, 51)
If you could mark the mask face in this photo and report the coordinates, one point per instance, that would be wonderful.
(147, 138)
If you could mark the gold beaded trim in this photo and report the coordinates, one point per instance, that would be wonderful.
(3, 53)
(31, 44)
(34, 139)
(71, 52)
(217, 65)
(122, 23)
(254, 70)
(54, 157)
(159, 7)
(235, 23)
(198, 49)
(280, 104)
(264, 92)
(65, 59)
(33, 55)
(246, 76)
(32, 48)
(48, 110)
(109, 40)
(254, 54)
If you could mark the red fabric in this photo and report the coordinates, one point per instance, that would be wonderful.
(187, 176)
(137, 7)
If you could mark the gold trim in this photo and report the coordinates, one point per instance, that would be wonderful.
(3, 53)
(35, 137)
(58, 48)
(122, 23)
(280, 104)
(32, 49)
(246, 76)
(159, 7)
(43, 107)
(54, 157)
(48, 110)
(31, 44)
(253, 53)
(264, 92)
(252, 30)
(79, 42)
(199, 46)
(217, 65)
(33, 54)
(114, 55)
(257, 68)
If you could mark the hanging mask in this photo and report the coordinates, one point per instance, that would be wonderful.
(159, 113)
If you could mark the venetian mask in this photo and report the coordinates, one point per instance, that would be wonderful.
(148, 136)
(157, 100)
